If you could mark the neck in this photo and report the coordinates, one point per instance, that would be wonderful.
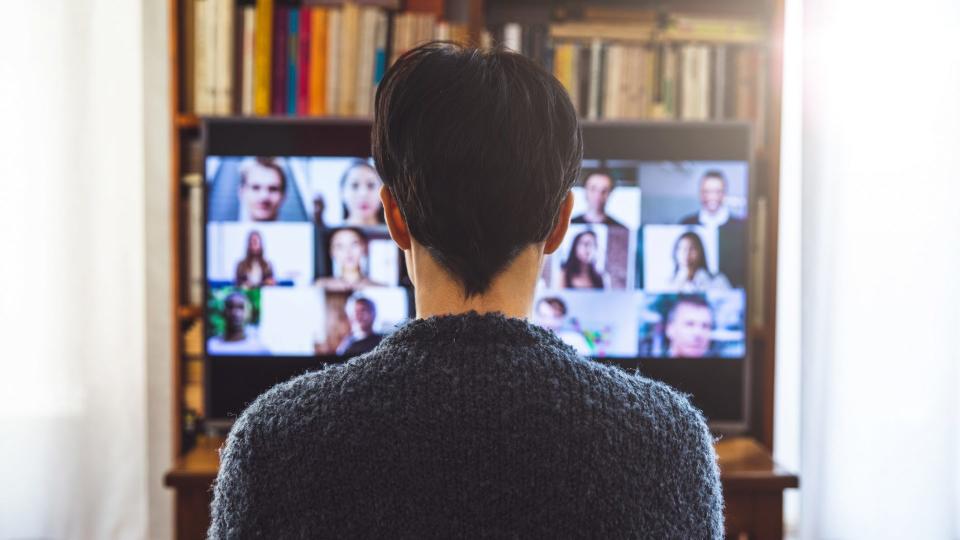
(595, 216)
(438, 293)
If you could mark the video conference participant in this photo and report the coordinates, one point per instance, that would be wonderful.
(597, 188)
(551, 313)
(238, 338)
(263, 186)
(690, 267)
(349, 250)
(443, 425)
(362, 313)
(688, 326)
(732, 230)
(254, 270)
(579, 269)
(360, 192)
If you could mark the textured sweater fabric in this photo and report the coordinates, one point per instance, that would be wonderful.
(469, 426)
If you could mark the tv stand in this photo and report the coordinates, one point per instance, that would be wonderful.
(752, 489)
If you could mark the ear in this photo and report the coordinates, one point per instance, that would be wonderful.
(560, 227)
(395, 222)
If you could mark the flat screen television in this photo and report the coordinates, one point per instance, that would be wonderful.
(652, 275)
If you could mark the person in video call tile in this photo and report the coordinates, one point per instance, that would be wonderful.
(690, 272)
(349, 255)
(238, 337)
(263, 186)
(579, 270)
(597, 188)
(714, 213)
(688, 327)
(362, 313)
(551, 313)
(254, 270)
(360, 190)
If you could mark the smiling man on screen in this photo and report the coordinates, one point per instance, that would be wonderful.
(469, 421)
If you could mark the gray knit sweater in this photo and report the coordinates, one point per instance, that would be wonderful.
(469, 426)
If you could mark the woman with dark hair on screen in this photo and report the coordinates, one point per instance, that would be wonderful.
(690, 272)
(360, 191)
(254, 270)
(578, 270)
(349, 250)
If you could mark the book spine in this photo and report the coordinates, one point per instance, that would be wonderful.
(303, 59)
(349, 56)
(249, 52)
(262, 69)
(188, 85)
(278, 88)
(513, 37)
(334, 17)
(318, 61)
(223, 82)
(365, 53)
(612, 89)
(380, 51)
(293, 59)
(236, 68)
(593, 91)
(202, 41)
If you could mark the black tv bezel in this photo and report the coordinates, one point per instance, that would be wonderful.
(231, 382)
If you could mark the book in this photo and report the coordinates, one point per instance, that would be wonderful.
(513, 37)
(202, 100)
(278, 86)
(349, 57)
(189, 70)
(380, 50)
(332, 94)
(614, 88)
(293, 59)
(366, 50)
(318, 62)
(593, 86)
(248, 60)
(262, 58)
(303, 62)
(225, 18)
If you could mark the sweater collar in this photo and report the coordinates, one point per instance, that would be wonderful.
(472, 327)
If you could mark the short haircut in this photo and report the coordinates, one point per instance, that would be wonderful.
(555, 302)
(715, 173)
(600, 172)
(694, 300)
(268, 163)
(479, 147)
(359, 299)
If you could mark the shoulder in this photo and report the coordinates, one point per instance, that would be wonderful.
(692, 219)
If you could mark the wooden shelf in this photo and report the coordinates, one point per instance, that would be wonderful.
(188, 313)
(187, 121)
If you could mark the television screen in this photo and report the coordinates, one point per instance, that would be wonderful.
(299, 261)
(652, 274)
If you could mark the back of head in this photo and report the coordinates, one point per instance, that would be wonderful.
(479, 147)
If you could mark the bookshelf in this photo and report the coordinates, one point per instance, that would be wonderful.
(642, 27)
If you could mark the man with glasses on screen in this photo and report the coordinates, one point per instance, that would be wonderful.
(470, 421)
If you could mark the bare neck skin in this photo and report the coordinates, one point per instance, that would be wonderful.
(438, 293)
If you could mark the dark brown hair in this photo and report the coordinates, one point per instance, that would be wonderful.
(479, 147)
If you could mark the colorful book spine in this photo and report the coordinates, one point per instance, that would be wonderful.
(380, 51)
(262, 70)
(248, 54)
(303, 62)
(278, 90)
(293, 59)
(334, 18)
(318, 62)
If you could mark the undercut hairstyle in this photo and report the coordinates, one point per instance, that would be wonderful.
(479, 147)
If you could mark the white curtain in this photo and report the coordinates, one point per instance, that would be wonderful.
(879, 249)
(73, 371)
